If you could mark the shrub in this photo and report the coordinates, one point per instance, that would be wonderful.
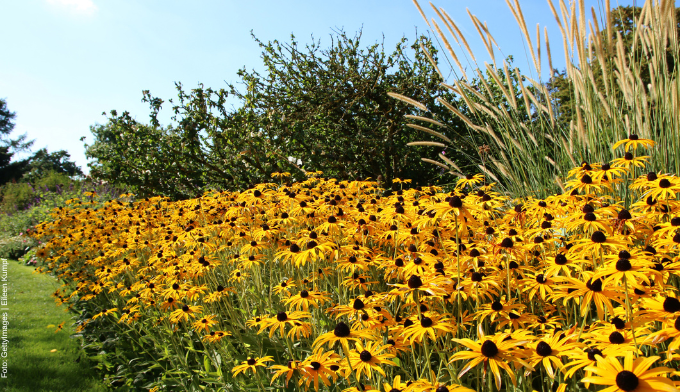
(313, 109)
(15, 247)
(17, 196)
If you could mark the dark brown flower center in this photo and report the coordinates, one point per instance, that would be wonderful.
(251, 361)
(507, 243)
(414, 282)
(455, 202)
(595, 286)
(543, 349)
(627, 380)
(616, 338)
(281, 316)
(624, 214)
(365, 356)
(489, 349)
(426, 322)
(623, 265)
(671, 305)
(592, 352)
(341, 330)
(598, 237)
(618, 323)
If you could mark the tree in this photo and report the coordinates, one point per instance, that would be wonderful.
(42, 162)
(8, 147)
(312, 109)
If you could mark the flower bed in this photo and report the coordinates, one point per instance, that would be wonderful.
(329, 284)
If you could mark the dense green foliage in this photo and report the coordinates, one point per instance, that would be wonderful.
(312, 109)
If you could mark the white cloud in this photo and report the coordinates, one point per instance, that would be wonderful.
(79, 6)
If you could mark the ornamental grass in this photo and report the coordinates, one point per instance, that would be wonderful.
(620, 80)
(334, 285)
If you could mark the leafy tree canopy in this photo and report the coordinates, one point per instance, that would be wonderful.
(311, 109)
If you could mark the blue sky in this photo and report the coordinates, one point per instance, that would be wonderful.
(64, 62)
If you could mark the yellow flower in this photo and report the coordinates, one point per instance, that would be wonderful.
(497, 352)
(366, 358)
(432, 326)
(204, 323)
(184, 313)
(633, 141)
(291, 369)
(343, 334)
(251, 364)
(320, 366)
(634, 375)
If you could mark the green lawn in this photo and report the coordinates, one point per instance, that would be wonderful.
(33, 319)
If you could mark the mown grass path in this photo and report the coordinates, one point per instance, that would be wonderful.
(33, 317)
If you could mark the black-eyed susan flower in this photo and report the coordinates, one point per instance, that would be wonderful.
(431, 326)
(494, 352)
(395, 385)
(204, 323)
(305, 298)
(320, 366)
(281, 320)
(549, 350)
(215, 336)
(185, 313)
(251, 364)
(292, 368)
(343, 333)
(629, 161)
(632, 142)
(469, 180)
(104, 312)
(369, 357)
(634, 375)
